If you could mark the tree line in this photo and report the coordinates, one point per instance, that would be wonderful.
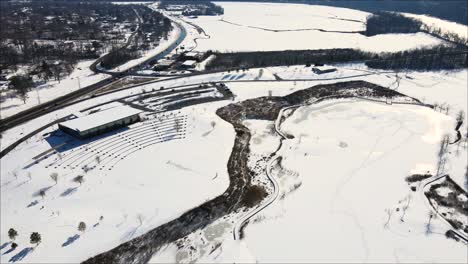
(386, 22)
(194, 8)
(433, 58)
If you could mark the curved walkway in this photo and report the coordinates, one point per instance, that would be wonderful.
(237, 230)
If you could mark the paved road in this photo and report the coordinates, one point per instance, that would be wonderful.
(57, 103)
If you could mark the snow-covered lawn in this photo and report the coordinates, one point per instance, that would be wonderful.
(342, 172)
(239, 29)
(352, 161)
(157, 183)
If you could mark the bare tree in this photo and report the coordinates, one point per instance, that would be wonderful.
(428, 224)
(82, 226)
(389, 213)
(140, 219)
(42, 193)
(460, 118)
(79, 179)
(405, 207)
(35, 238)
(54, 177)
(466, 177)
(12, 233)
(441, 154)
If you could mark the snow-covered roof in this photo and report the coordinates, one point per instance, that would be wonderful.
(100, 118)
(191, 54)
(164, 62)
(324, 68)
(189, 63)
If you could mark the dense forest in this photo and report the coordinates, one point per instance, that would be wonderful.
(193, 8)
(434, 58)
(252, 59)
(390, 22)
(153, 28)
(48, 38)
(386, 22)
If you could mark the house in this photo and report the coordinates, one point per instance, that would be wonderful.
(189, 64)
(101, 122)
(323, 69)
(191, 55)
(163, 65)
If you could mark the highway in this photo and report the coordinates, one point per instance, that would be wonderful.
(57, 103)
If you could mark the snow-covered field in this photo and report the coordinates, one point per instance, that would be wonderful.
(155, 184)
(342, 177)
(239, 29)
(112, 194)
(352, 159)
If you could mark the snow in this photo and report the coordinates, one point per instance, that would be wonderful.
(336, 184)
(340, 206)
(156, 183)
(189, 63)
(247, 18)
(444, 25)
(100, 118)
(82, 76)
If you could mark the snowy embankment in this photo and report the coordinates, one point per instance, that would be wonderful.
(251, 27)
(80, 77)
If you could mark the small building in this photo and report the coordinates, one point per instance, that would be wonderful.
(188, 64)
(191, 55)
(163, 65)
(100, 122)
(323, 69)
